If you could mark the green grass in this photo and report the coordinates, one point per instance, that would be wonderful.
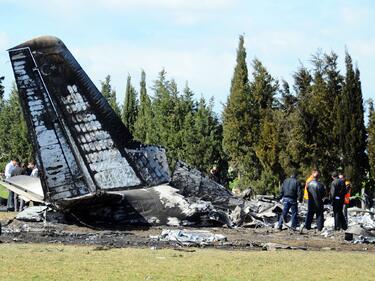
(3, 192)
(58, 262)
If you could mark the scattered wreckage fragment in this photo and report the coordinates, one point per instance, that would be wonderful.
(28, 188)
(185, 237)
(361, 226)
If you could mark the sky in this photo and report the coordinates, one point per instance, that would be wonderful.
(195, 41)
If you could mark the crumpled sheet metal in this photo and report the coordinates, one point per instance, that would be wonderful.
(190, 237)
(157, 205)
(361, 225)
(276, 246)
(364, 240)
(32, 214)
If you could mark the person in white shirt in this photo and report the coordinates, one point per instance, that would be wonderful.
(35, 172)
(9, 169)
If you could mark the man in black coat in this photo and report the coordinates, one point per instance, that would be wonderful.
(337, 195)
(315, 204)
(291, 191)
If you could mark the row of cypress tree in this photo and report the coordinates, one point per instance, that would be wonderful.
(267, 129)
(271, 129)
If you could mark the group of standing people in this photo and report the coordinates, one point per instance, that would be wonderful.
(12, 169)
(315, 193)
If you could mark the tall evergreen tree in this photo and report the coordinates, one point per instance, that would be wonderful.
(1, 88)
(320, 107)
(371, 139)
(317, 93)
(130, 108)
(267, 146)
(183, 105)
(144, 121)
(300, 146)
(288, 100)
(161, 106)
(285, 121)
(334, 94)
(14, 139)
(1, 93)
(263, 88)
(175, 120)
(165, 106)
(352, 131)
(239, 120)
(202, 138)
(110, 94)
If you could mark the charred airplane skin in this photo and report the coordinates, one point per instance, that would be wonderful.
(88, 160)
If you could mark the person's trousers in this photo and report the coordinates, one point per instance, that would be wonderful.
(10, 203)
(311, 210)
(340, 221)
(18, 203)
(345, 211)
(289, 204)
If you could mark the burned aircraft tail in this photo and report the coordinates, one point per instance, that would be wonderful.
(83, 149)
(90, 165)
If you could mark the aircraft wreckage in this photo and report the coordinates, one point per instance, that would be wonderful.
(92, 169)
(90, 165)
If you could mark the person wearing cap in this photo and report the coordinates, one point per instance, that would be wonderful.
(337, 195)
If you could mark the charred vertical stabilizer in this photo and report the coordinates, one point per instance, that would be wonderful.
(83, 149)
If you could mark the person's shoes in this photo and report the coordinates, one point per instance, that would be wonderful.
(301, 228)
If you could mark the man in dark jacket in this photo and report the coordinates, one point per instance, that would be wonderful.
(291, 191)
(316, 192)
(337, 195)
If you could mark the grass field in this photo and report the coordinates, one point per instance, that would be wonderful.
(3, 192)
(58, 262)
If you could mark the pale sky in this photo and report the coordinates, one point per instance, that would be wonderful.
(194, 40)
